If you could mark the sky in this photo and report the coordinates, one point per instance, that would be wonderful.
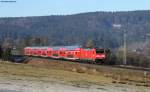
(24, 8)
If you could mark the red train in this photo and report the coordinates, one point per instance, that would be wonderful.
(68, 53)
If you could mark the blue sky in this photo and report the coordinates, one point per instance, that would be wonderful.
(65, 7)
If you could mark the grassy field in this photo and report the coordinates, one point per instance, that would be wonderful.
(70, 73)
(17, 71)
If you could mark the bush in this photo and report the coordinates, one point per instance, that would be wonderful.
(133, 59)
(6, 56)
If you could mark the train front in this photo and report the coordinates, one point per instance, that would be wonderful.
(101, 55)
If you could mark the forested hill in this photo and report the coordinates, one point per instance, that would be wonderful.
(98, 27)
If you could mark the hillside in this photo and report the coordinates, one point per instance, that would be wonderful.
(78, 29)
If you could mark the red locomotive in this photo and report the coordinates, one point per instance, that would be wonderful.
(68, 53)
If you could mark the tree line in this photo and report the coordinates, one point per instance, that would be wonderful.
(77, 29)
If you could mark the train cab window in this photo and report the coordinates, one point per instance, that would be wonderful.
(100, 51)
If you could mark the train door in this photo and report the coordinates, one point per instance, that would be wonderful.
(39, 52)
(62, 54)
(82, 53)
(77, 54)
(27, 51)
(35, 52)
(49, 52)
(44, 53)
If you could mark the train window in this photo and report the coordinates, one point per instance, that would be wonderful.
(43, 53)
(62, 52)
(48, 52)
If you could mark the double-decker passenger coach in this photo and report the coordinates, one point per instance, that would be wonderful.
(94, 55)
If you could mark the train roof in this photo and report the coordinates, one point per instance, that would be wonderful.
(56, 47)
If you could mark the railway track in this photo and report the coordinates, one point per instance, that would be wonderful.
(133, 68)
(96, 66)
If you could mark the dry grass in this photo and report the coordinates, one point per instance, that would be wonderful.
(73, 73)
(49, 74)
